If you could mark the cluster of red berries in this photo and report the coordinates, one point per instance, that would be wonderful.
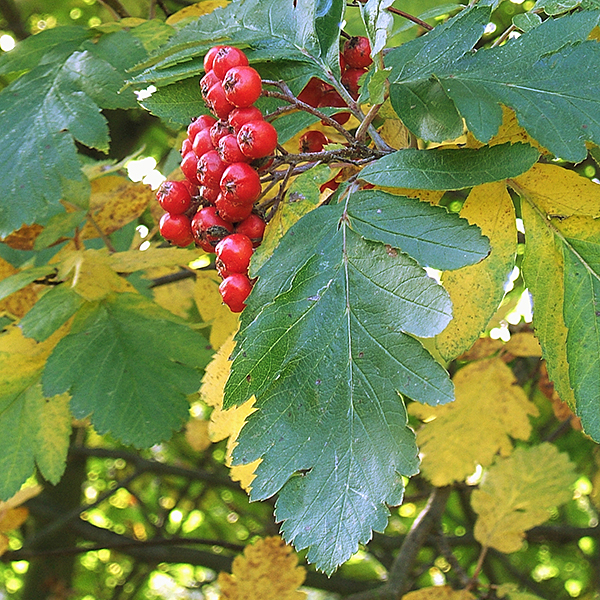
(355, 59)
(222, 158)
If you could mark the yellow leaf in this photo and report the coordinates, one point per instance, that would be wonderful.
(442, 592)
(557, 191)
(19, 303)
(196, 434)
(477, 290)
(517, 494)
(4, 544)
(136, 260)
(53, 436)
(115, 201)
(482, 348)
(268, 570)
(509, 131)
(93, 278)
(177, 296)
(395, 134)
(226, 423)
(489, 407)
(510, 591)
(431, 196)
(523, 343)
(212, 310)
(24, 238)
(196, 10)
(12, 518)
(543, 266)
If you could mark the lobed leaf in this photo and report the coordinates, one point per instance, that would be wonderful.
(330, 347)
(129, 365)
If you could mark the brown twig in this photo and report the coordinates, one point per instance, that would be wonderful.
(410, 17)
(116, 8)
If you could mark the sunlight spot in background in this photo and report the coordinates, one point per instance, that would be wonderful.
(501, 333)
(510, 282)
(490, 28)
(523, 310)
(146, 93)
(7, 42)
(517, 1)
(475, 478)
(434, 274)
(573, 587)
(144, 170)
(200, 263)
(437, 577)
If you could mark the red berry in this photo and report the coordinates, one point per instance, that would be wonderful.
(189, 167)
(198, 124)
(202, 143)
(226, 58)
(208, 228)
(186, 146)
(191, 188)
(253, 227)
(240, 184)
(209, 194)
(210, 169)
(357, 52)
(257, 139)
(242, 86)
(230, 211)
(219, 130)
(174, 197)
(313, 92)
(233, 254)
(312, 141)
(207, 82)
(217, 101)
(333, 99)
(241, 116)
(234, 290)
(176, 229)
(350, 81)
(209, 58)
(229, 150)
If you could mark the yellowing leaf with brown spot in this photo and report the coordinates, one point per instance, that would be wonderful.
(24, 238)
(196, 10)
(489, 409)
(19, 303)
(523, 343)
(509, 131)
(543, 267)
(196, 434)
(442, 592)
(115, 201)
(226, 423)
(477, 290)
(558, 191)
(223, 323)
(136, 260)
(92, 275)
(268, 570)
(518, 492)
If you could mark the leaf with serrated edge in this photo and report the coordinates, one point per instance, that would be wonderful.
(130, 365)
(517, 494)
(580, 243)
(559, 191)
(543, 268)
(490, 408)
(476, 291)
(430, 234)
(450, 169)
(378, 22)
(319, 338)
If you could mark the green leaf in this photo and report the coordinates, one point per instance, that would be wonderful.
(420, 100)
(18, 281)
(378, 23)
(307, 33)
(430, 234)
(53, 45)
(556, 7)
(50, 312)
(337, 330)
(129, 364)
(538, 75)
(526, 21)
(450, 169)
(46, 110)
(177, 103)
(58, 226)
